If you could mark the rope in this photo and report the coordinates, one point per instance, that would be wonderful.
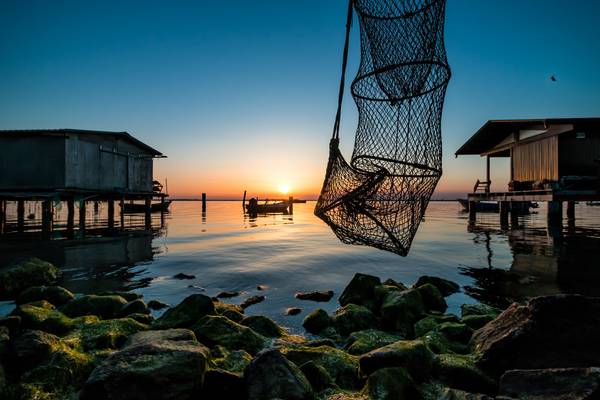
(338, 115)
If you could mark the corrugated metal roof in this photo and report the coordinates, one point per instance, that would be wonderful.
(494, 131)
(122, 135)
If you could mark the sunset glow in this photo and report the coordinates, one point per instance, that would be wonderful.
(284, 188)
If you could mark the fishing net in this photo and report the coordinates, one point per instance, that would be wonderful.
(380, 196)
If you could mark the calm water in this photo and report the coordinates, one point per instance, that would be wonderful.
(227, 251)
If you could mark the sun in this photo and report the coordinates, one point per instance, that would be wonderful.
(284, 188)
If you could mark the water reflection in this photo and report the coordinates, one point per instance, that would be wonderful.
(553, 260)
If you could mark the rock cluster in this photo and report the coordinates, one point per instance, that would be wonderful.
(386, 341)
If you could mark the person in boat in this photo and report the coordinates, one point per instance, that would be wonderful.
(252, 203)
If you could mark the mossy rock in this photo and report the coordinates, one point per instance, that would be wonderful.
(413, 355)
(353, 318)
(129, 296)
(445, 286)
(439, 344)
(12, 322)
(391, 384)
(104, 307)
(66, 368)
(361, 291)
(362, 342)
(460, 372)
(218, 330)
(136, 306)
(186, 313)
(263, 325)
(432, 298)
(432, 321)
(32, 347)
(456, 332)
(342, 367)
(479, 309)
(400, 310)
(316, 321)
(106, 334)
(477, 321)
(55, 295)
(31, 272)
(145, 319)
(43, 316)
(167, 334)
(318, 376)
(231, 311)
(233, 361)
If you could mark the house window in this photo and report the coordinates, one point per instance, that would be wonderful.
(580, 135)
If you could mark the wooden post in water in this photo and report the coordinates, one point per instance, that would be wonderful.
(147, 211)
(21, 215)
(504, 213)
(472, 211)
(70, 216)
(291, 208)
(111, 214)
(82, 215)
(203, 202)
(46, 216)
(571, 210)
(122, 205)
(555, 213)
(2, 215)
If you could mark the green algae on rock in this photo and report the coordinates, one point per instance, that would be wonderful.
(413, 355)
(351, 318)
(460, 372)
(218, 330)
(31, 272)
(43, 316)
(55, 295)
(103, 306)
(445, 286)
(186, 313)
(362, 342)
(263, 325)
(433, 300)
(231, 311)
(361, 291)
(400, 310)
(316, 321)
(391, 384)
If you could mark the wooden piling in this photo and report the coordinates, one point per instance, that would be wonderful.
(203, 202)
(20, 215)
(46, 216)
(504, 205)
(122, 215)
(70, 214)
(111, 214)
(82, 215)
(571, 210)
(291, 208)
(2, 216)
(472, 211)
(554, 212)
(148, 213)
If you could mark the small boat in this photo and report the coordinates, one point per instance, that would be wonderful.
(279, 207)
(132, 208)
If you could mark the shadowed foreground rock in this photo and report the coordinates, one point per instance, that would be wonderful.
(186, 313)
(552, 384)
(548, 332)
(271, 376)
(158, 370)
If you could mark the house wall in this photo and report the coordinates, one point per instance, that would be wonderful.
(100, 163)
(577, 156)
(536, 161)
(31, 162)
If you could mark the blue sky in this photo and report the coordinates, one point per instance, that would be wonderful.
(242, 95)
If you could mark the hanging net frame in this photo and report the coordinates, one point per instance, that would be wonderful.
(379, 197)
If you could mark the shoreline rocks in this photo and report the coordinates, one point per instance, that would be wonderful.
(386, 341)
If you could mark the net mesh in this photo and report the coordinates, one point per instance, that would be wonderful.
(380, 197)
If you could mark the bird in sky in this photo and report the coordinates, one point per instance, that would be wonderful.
(552, 78)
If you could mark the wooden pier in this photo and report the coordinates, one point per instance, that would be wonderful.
(551, 160)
